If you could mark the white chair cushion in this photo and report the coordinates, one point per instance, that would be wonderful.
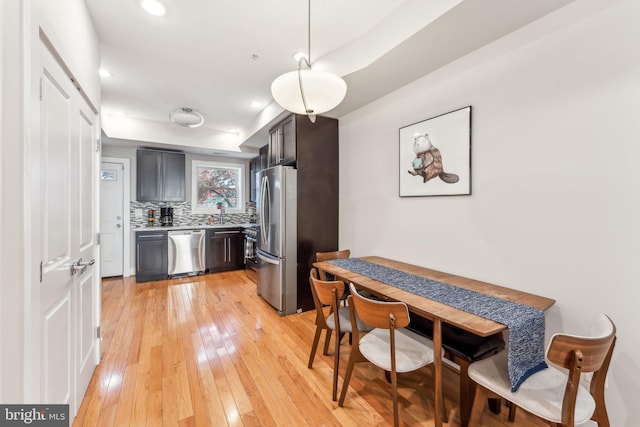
(412, 350)
(541, 394)
(345, 321)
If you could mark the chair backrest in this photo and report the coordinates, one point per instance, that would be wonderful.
(326, 290)
(325, 294)
(379, 313)
(324, 256)
(580, 354)
(593, 349)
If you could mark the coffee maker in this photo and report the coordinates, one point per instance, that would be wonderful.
(166, 217)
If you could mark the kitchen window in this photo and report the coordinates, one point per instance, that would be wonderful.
(214, 184)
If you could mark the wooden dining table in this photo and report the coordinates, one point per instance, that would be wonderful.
(439, 313)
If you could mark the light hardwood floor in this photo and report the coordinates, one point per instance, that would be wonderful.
(207, 351)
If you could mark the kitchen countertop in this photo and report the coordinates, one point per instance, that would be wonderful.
(192, 227)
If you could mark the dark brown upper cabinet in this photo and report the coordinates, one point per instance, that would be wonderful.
(160, 176)
(282, 142)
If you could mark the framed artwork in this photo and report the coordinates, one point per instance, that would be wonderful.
(216, 184)
(435, 156)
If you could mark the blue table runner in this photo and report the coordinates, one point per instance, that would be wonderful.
(526, 324)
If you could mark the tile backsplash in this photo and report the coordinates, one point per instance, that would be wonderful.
(182, 214)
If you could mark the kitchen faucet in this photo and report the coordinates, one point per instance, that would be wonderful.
(222, 214)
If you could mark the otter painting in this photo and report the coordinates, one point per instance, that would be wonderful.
(428, 161)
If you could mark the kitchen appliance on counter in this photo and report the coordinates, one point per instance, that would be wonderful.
(277, 238)
(186, 252)
(166, 217)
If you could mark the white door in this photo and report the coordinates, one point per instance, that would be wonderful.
(111, 219)
(65, 346)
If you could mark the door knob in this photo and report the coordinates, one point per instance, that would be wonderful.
(81, 266)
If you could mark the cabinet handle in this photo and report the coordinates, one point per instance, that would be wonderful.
(137, 257)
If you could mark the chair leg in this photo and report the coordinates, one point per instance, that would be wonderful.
(478, 405)
(314, 346)
(327, 338)
(347, 378)
(394, 388)
(600, 415)
(336, 367)
(342, 334)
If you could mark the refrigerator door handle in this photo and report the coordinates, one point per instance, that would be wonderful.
(266, 258)
(265, 200)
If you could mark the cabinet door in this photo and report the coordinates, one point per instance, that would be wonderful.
(264, 156)
(160, 176)
(216, 252)
(225, 250)
(173, 167)
(236, 251)
(275, 146)
(151, 258)
(288, 143)
(253, 179)
(148, 169)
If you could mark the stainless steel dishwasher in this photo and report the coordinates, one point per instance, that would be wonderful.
(186, 252)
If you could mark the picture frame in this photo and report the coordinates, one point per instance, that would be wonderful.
(435, 156)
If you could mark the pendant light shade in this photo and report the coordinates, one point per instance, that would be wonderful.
(323, 91)
(308, 91)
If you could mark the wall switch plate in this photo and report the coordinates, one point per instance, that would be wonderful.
(138, 213)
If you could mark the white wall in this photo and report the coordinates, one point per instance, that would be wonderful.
(12, 274)
(555, 201)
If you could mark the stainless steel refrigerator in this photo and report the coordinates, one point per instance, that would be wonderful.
(277, 238)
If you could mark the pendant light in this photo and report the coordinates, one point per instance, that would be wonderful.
(308, 91)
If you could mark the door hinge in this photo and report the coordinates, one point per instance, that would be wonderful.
(97, 238)
(98, 145)
(98, 332)
(40, 89)
(41, 271)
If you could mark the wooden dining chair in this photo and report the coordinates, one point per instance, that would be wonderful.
(326, 256)
(389, 345)
(554, 395)
(328, 294)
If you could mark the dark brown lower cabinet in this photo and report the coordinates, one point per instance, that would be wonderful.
(151, 256)
(224, 249)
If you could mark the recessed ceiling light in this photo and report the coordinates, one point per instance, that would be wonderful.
(104, 73)
(153, 7)
(186, 117)
(256, 104)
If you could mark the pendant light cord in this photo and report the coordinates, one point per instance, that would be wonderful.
(309, 111)
(309, 32)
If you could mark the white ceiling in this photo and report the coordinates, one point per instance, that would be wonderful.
(199, 55)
